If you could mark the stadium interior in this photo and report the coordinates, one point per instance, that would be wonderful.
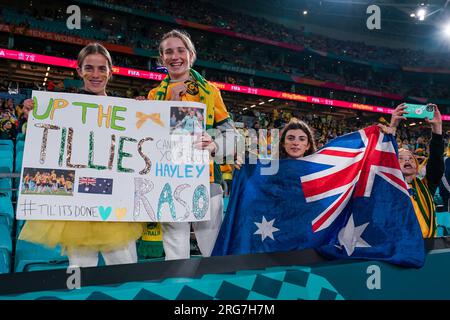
(317, 61)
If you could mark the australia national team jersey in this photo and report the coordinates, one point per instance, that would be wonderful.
(192, 94)
(221, 117)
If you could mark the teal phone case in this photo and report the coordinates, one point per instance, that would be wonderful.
(419, 111)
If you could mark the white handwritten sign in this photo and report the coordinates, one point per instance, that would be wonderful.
(96, 158)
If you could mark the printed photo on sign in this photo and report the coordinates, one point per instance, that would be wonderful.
(95, 185)
(55, 182)
(185, 120)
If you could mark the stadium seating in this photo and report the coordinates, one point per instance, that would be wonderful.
(20, 144)
(225, 204)
(5, 187)
(443, 224)
(11, 16)
(17, 98)
(6, 206)
(33, 257)
(7, 143)
(6, 213)
(7, 221)
(18, 162)
(5, 249)
(19, 225)
(6, 162)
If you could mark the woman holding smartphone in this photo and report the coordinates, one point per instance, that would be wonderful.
(422, 190)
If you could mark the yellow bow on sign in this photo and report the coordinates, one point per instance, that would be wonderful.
(142, 117)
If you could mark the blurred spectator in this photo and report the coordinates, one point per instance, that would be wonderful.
(23, 119)
(7, 130)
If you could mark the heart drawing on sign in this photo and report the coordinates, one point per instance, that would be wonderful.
(105, 212)
(121, 213)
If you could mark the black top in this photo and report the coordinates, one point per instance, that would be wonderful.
(435, 165)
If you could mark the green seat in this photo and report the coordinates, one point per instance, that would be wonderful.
(19, 226)
(5, 261)
(18, 162)
(6, 187)
(5, 238)
(7, 143)
(20, 145)
(6, 207)
(6, 164)
(7, 221)
(225, 204)
(33, 257)
(6, 152)
(443, 224)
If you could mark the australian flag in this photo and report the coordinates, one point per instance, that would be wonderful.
(95, 185)
(348, 200)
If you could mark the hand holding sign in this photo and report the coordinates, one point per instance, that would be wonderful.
(205, 142)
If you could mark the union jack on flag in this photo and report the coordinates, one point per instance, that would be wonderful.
(88, 181)
(353, 168)
(347, 200)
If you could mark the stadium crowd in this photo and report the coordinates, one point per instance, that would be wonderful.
(15, 102)
(244, 54)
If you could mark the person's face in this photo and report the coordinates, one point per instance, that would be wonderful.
(95, 73)
(8, 125)
(176, 58)
(408, 165)
(192, 113)
(27, 106)
(296, 143)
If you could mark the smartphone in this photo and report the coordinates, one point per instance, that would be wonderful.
(419, 111)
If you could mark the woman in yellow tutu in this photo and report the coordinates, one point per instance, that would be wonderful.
(82, 241)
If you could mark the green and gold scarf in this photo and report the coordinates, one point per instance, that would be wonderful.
(206, 95)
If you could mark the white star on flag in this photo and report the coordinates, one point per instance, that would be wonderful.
(350, 236)
(266, 228)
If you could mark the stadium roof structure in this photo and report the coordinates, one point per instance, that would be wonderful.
(351, 15)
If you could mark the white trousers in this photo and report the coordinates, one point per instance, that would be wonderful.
(176, 235)
(84, 258)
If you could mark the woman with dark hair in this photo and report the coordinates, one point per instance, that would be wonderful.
(296, 140)
(84, 240)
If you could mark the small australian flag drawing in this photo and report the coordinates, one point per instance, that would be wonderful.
(95, 185)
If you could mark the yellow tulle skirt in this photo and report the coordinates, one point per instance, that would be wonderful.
(82, 235)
